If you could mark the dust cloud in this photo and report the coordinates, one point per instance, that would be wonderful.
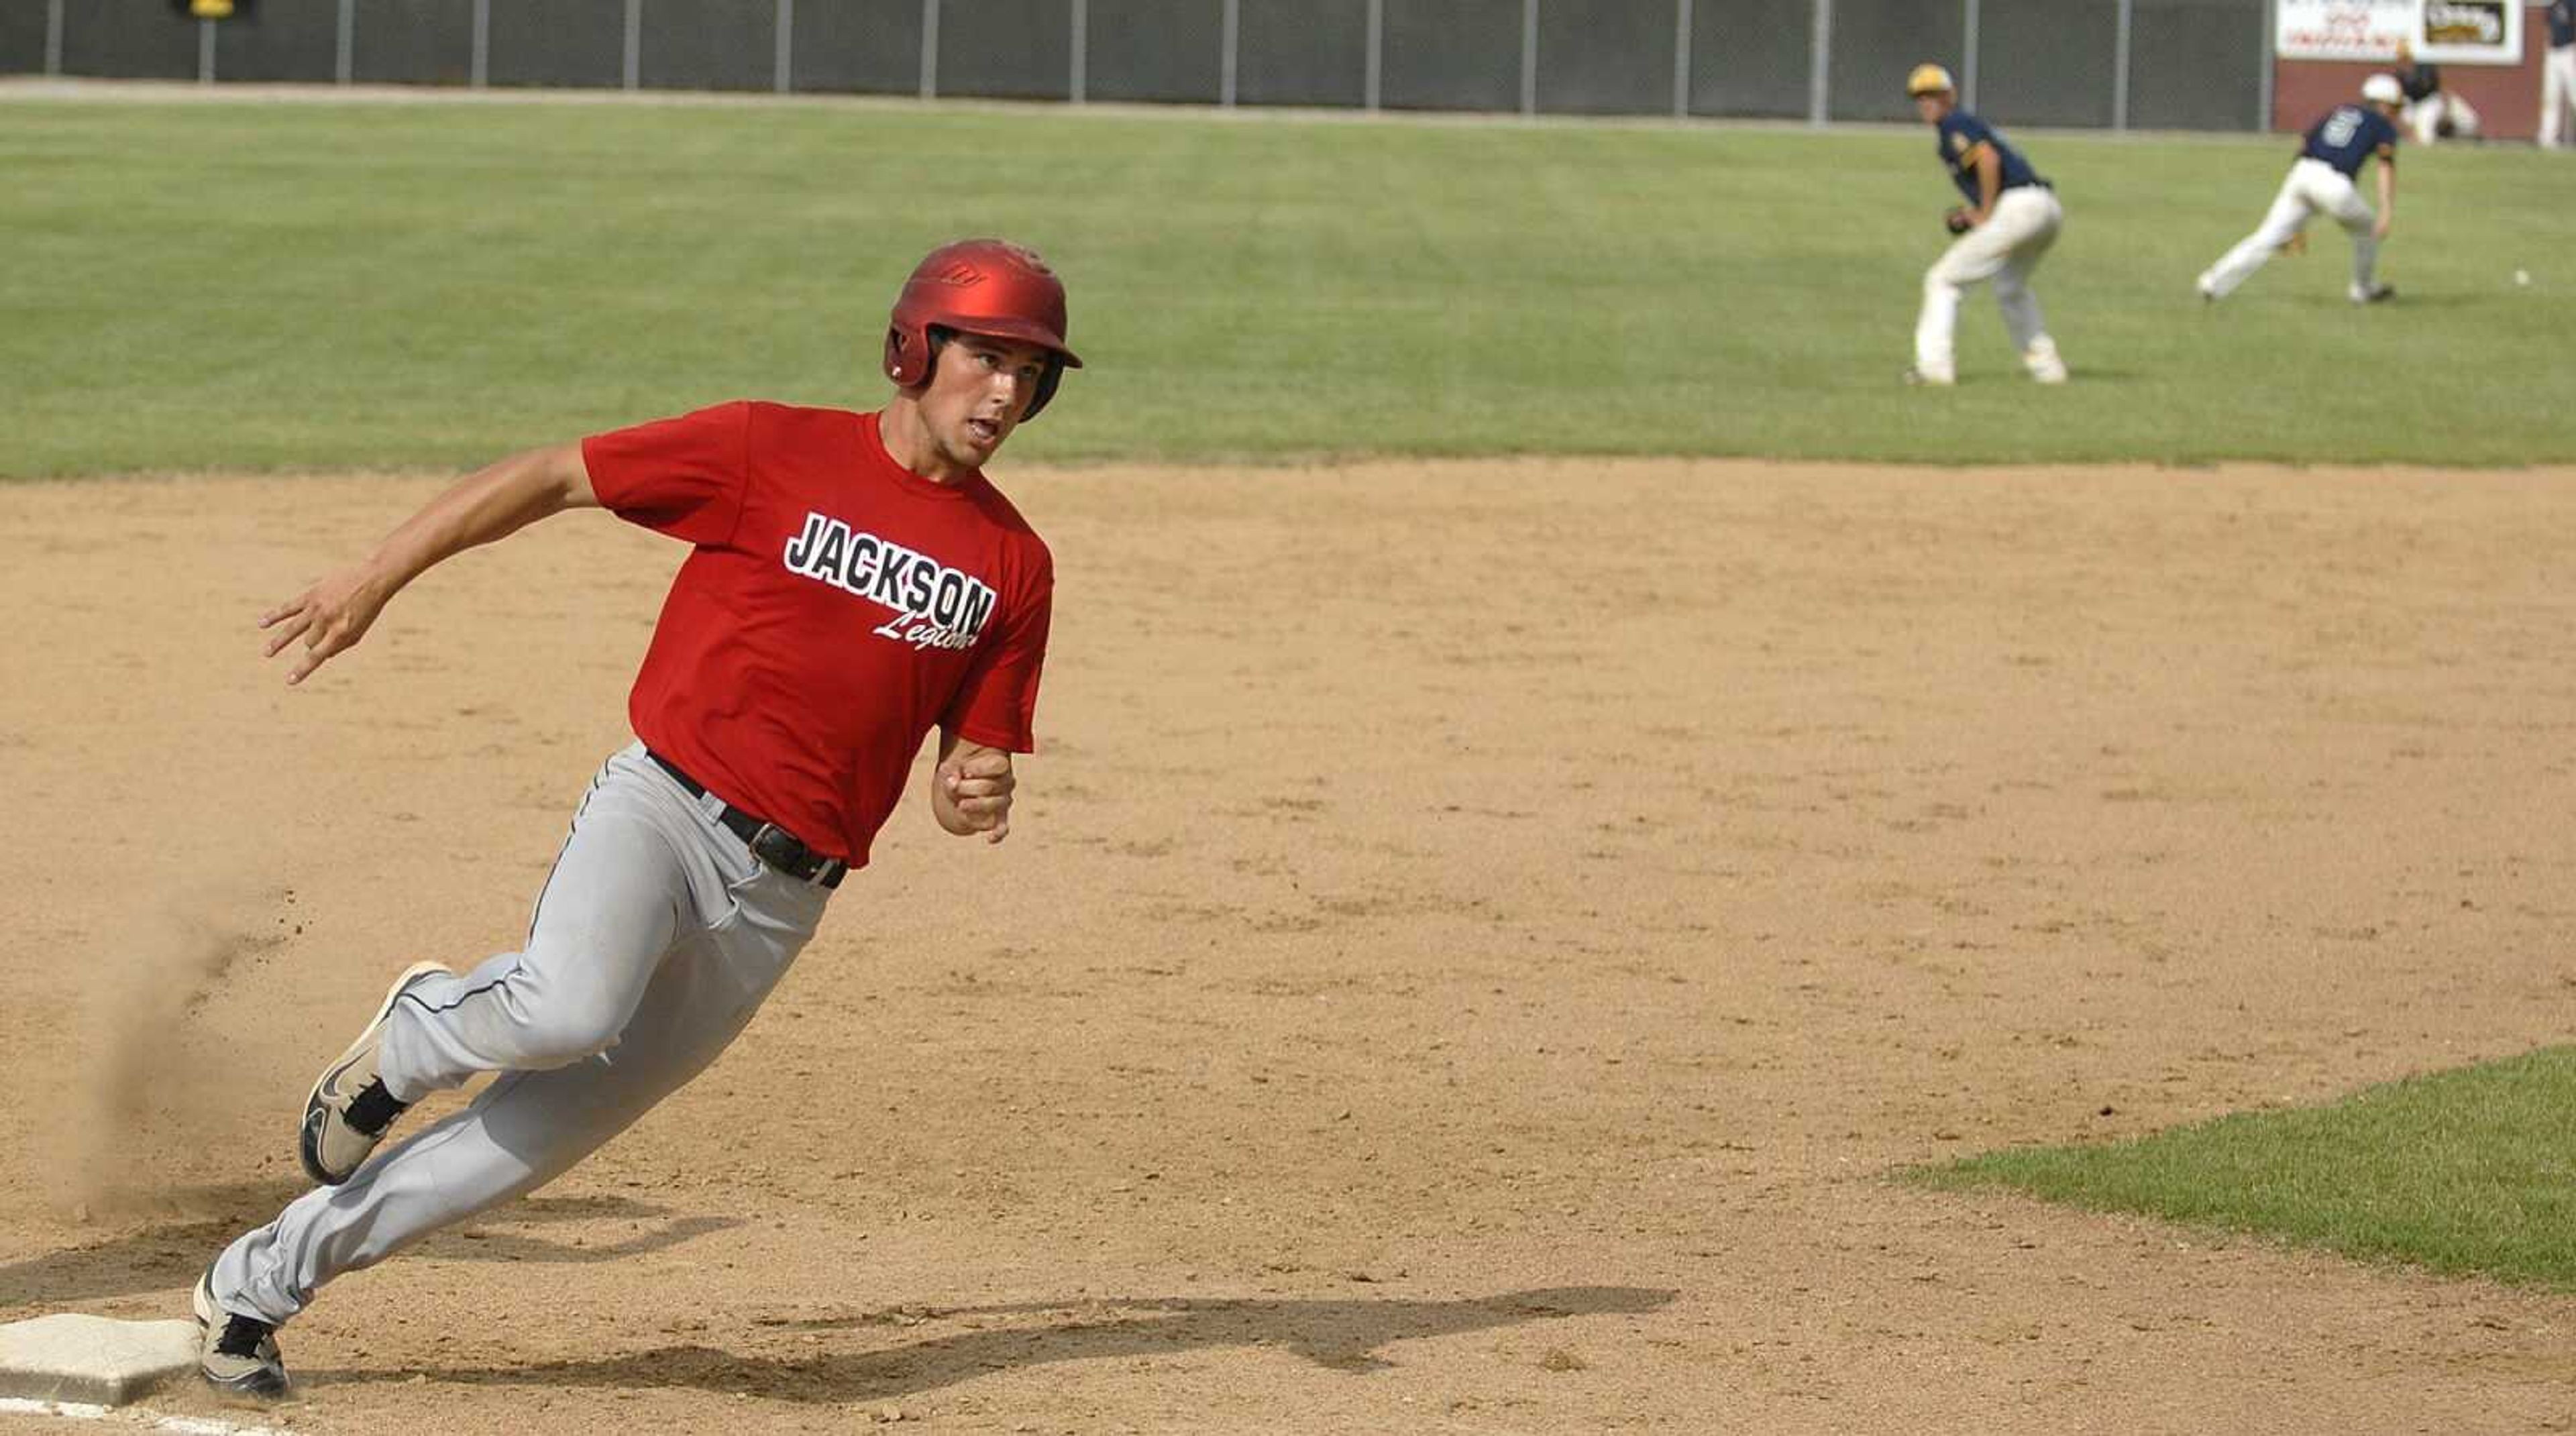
(153, 1049)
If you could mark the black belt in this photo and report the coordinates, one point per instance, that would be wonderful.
(768, 842)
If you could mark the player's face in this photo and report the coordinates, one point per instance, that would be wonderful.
(1932, 107)
(977, 394)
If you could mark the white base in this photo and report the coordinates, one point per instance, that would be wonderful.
(70, 1357)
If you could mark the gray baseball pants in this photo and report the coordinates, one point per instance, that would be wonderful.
(656, 938)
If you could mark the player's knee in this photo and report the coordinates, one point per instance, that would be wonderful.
(567, 1033)
(555, 1026)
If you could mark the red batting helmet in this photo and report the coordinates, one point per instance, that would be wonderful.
(978, 286)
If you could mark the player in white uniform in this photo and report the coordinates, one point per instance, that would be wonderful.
(2006, 227)
(2558, 74)
(2331, 155)
(2432, 112)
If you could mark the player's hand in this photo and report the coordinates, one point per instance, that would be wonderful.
(975, 787)
(2379, 226)
(330, 616)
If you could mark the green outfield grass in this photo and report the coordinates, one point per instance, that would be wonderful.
(318, 286)
(2471, 1172)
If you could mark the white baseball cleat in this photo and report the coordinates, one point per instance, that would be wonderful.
(2375, 294)
(1930, 378)
(349, 1109)
(2044, 363)
(235, 1353)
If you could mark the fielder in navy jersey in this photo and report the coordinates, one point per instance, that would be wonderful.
(2007, 225)
(2433, 111)
(2321, 182)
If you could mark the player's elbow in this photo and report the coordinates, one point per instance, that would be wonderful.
(565, 476)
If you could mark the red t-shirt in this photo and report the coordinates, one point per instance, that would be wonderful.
(835, 608)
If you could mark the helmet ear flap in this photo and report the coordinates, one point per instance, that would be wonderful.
(910, 360)
(899, 359)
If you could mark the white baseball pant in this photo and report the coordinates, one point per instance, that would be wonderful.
(656, 938)
(2006, 248)
(2557, 94)
(2426, 115)
(2314, 187)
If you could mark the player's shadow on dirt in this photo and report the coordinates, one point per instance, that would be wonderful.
(1345, 1335)
(184, 1229)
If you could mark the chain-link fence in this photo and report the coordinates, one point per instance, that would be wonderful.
(22, 37)
(2194, 64)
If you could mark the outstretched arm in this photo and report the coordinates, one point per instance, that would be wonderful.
(970, 790)
(488, 504)
(2387, 198)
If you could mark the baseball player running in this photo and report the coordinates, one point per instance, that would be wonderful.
(2558, 74)
(2011, 218)
(852, 581)
(2321, 182)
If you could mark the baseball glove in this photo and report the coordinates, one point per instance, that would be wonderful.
(1956, 220)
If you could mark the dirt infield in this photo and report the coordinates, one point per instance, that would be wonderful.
(1473, 945)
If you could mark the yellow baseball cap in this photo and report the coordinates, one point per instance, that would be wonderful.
(1930, 80)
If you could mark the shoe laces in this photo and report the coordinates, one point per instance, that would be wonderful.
(244, 1336)
(373, 1109)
